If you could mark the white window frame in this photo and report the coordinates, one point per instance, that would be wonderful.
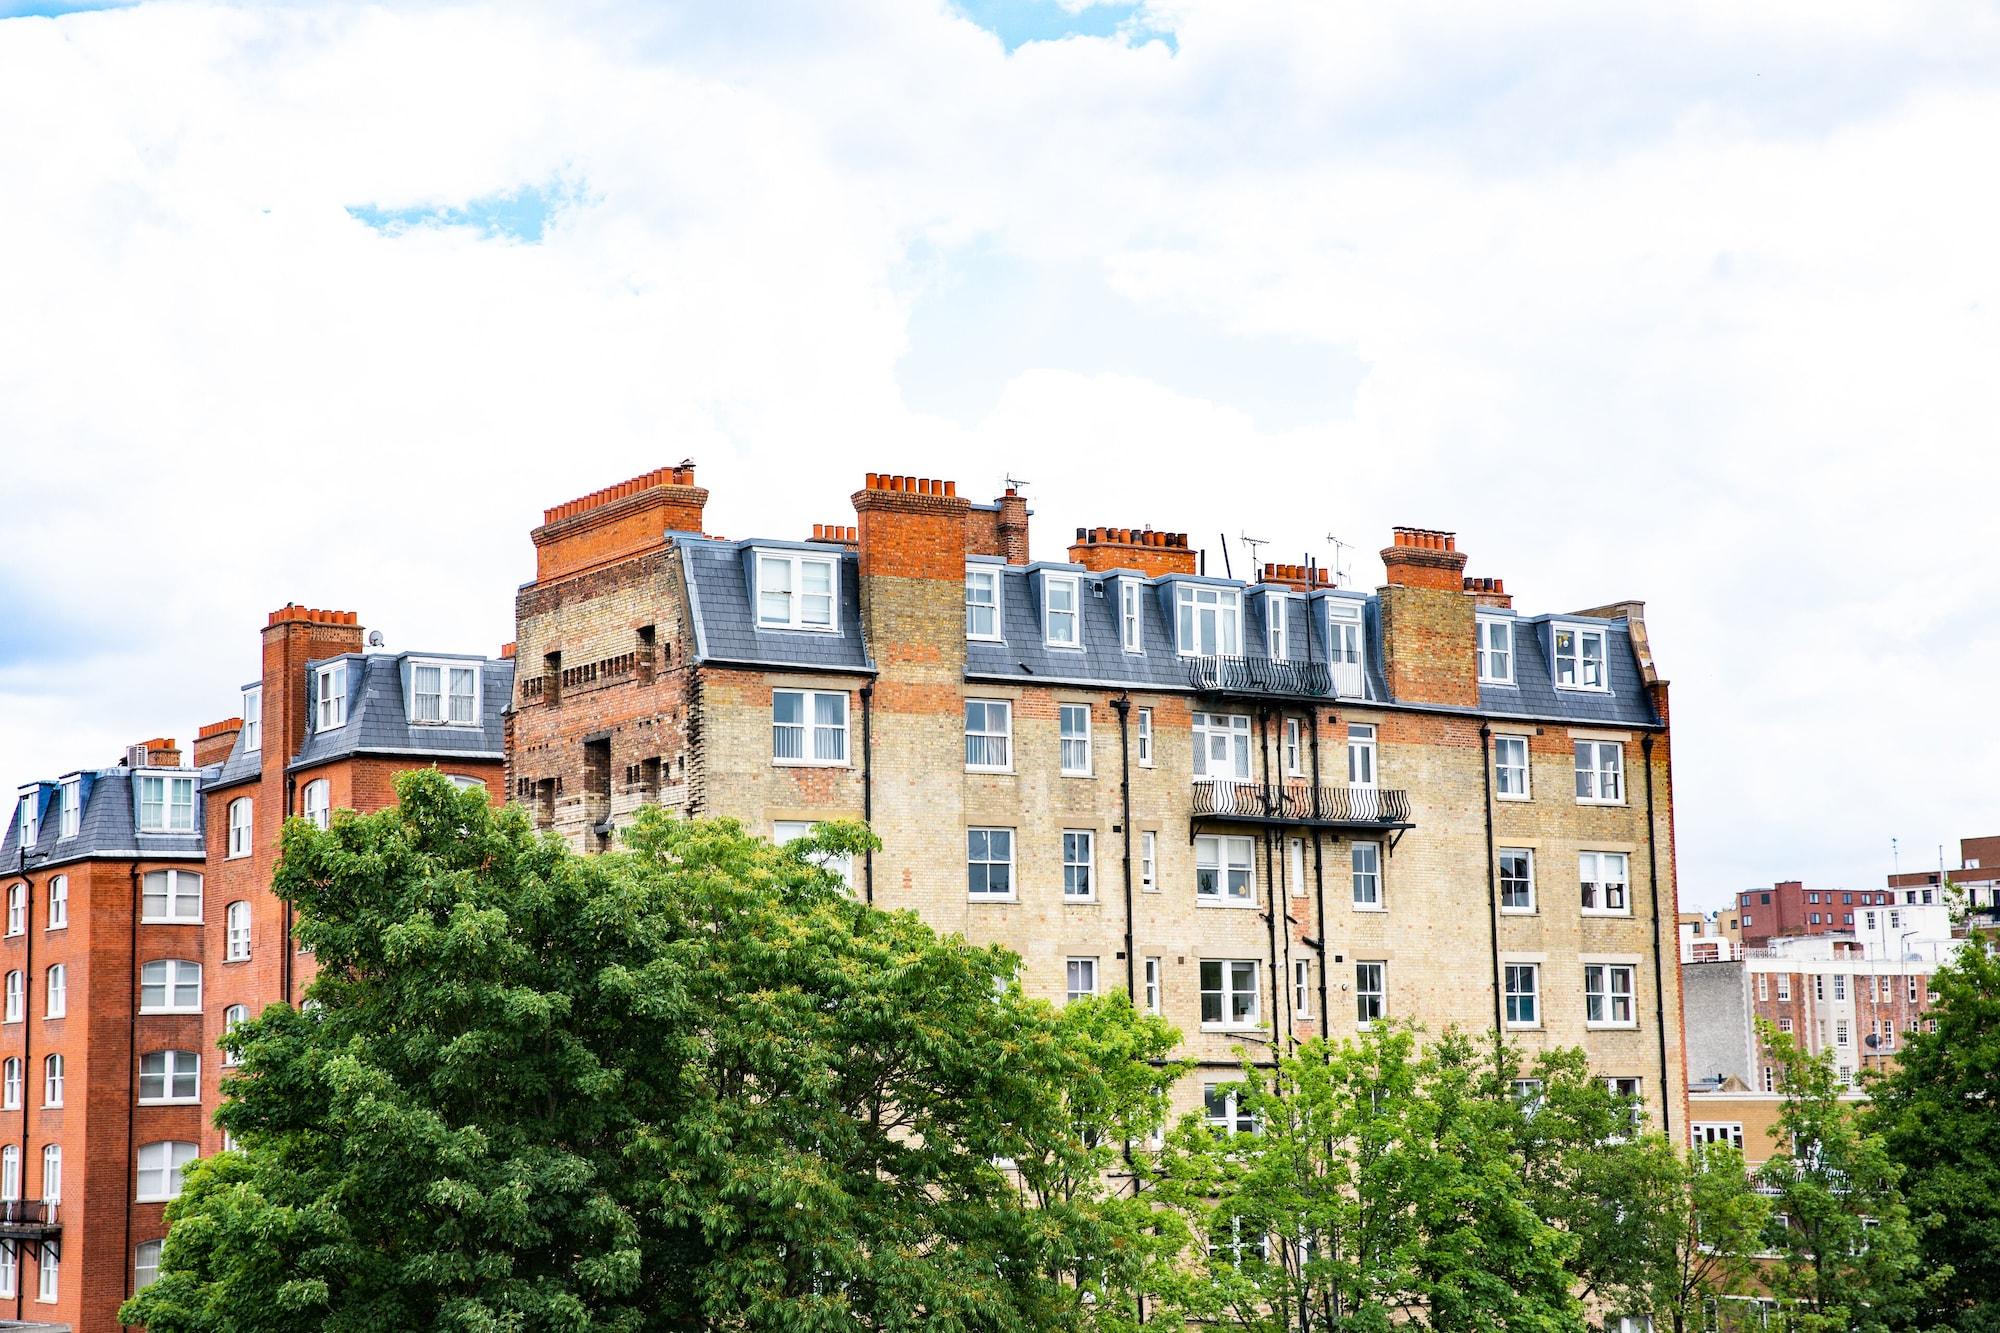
(1218, 855)
(1594, 883)
(1073, 746)
(1702, 1133)
(9, 1268)
(988, 833)
(1507, 776)
(1153, 985)
(236, 931)
(1149, 861)
(1079, 865)
(1003, 739)
(17, 908)
(241, 828)
(1295, 867)
(30, 821)
(52, 1173)
(175, 895)
(813, 734)
(1600, 768)
(1365, 993)
(48, 1267)
(1276, 645)
(1228, 992)
(1131, 616)
(1513, 974)
(330, 696)
(1221, 1108)
(1294, 748)
(17, 997)
(1072, 584)
(1495, 650)
(1145, 736)
(58, 903)
(1784, 988)
(1079, 969)
(1222, 608)
(795, 564)
(1363, 770)
(447, 695)
(13, 1082)
(1571, 666)
(172, 1067)
(1528, 854)
(55, 991)
(1302, 1006)
(316, 799)
(1371, 875)
(241, 1016)
(163, 1166)
(145, 1264)
(1602, 996)
(71, 819)
(172, 972)
(985, 579)
(252, 738)
(1234, 731)
(170, 817)
(52, 1079)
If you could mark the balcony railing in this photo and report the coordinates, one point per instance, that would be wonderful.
(1261, 675)
(1302, 803)
(28, 1217)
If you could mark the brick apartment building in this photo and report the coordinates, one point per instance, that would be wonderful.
(1789, 909)
(140, 924)
(1266, 809)
(1976, 882)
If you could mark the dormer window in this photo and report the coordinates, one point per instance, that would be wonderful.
(1209, 621)
(982, 602)
(330, 692)
(72, 807)
(1496, 652)
(796, 590)
(1343, 647)
(1274, 626)
(1061, 621)
(1131, 628)
(166, 804)
(30, 798)
(444, 694)
(1580, 657)
(253, 719)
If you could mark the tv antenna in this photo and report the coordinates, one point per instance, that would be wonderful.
(1015, 483)
(1253, 543)
(1339, 561)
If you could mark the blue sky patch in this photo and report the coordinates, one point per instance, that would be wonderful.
(44, 9)
(1018, 22)
(515, 215)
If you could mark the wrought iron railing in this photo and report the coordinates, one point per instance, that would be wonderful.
(1301, 802)
(1261, 675)
(27, 1215)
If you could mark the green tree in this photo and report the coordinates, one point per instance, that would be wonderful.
(1383, 1186)
(1847, 1249)
(692, 1084)
(1938, 1113)
(1694, 1227)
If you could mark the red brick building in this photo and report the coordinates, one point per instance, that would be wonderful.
(1788, 909)
(140, 924)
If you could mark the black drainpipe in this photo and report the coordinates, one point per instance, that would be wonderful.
(1492, 880)
(1272, 892)
(1319, 835)
(868, 784)
(1123, 706)
(1659, 984)
(27, 1059)
(131, 1086)
(285, 950)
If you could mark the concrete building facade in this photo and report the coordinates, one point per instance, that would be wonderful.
(1267, 809)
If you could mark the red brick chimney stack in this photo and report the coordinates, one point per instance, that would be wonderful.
(618, 521)
(213, 742)
(293, 636)
(1428, 648)
(161, 752)
(1304, 578)
(1489, 592)
(911, 527)
(1152, 553)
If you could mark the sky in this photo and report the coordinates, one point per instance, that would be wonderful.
(1693, 303)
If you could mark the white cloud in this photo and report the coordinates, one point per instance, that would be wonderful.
(1688, 303)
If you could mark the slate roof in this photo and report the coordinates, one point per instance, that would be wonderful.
(719, 581)
(378, 718)
(108, 826)
(240, 765)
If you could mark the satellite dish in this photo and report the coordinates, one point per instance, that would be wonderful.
(1871, 1041)
(375, 639)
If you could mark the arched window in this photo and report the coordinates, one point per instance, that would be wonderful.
(172, 898)
(17, 996)
(45, 1269)
(58, 902)
(318, 803)
(17, 908)
(169, 1076)
(52, 1080)
(9, 1268)
(52, 1173)
(10, 1172)
(10, 1084)
(161, 1167)
(56, 1004)
(145, 1264)
(238, 920)
(170, 986)
(464, 783)
(234, 1014)
(239, 826)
